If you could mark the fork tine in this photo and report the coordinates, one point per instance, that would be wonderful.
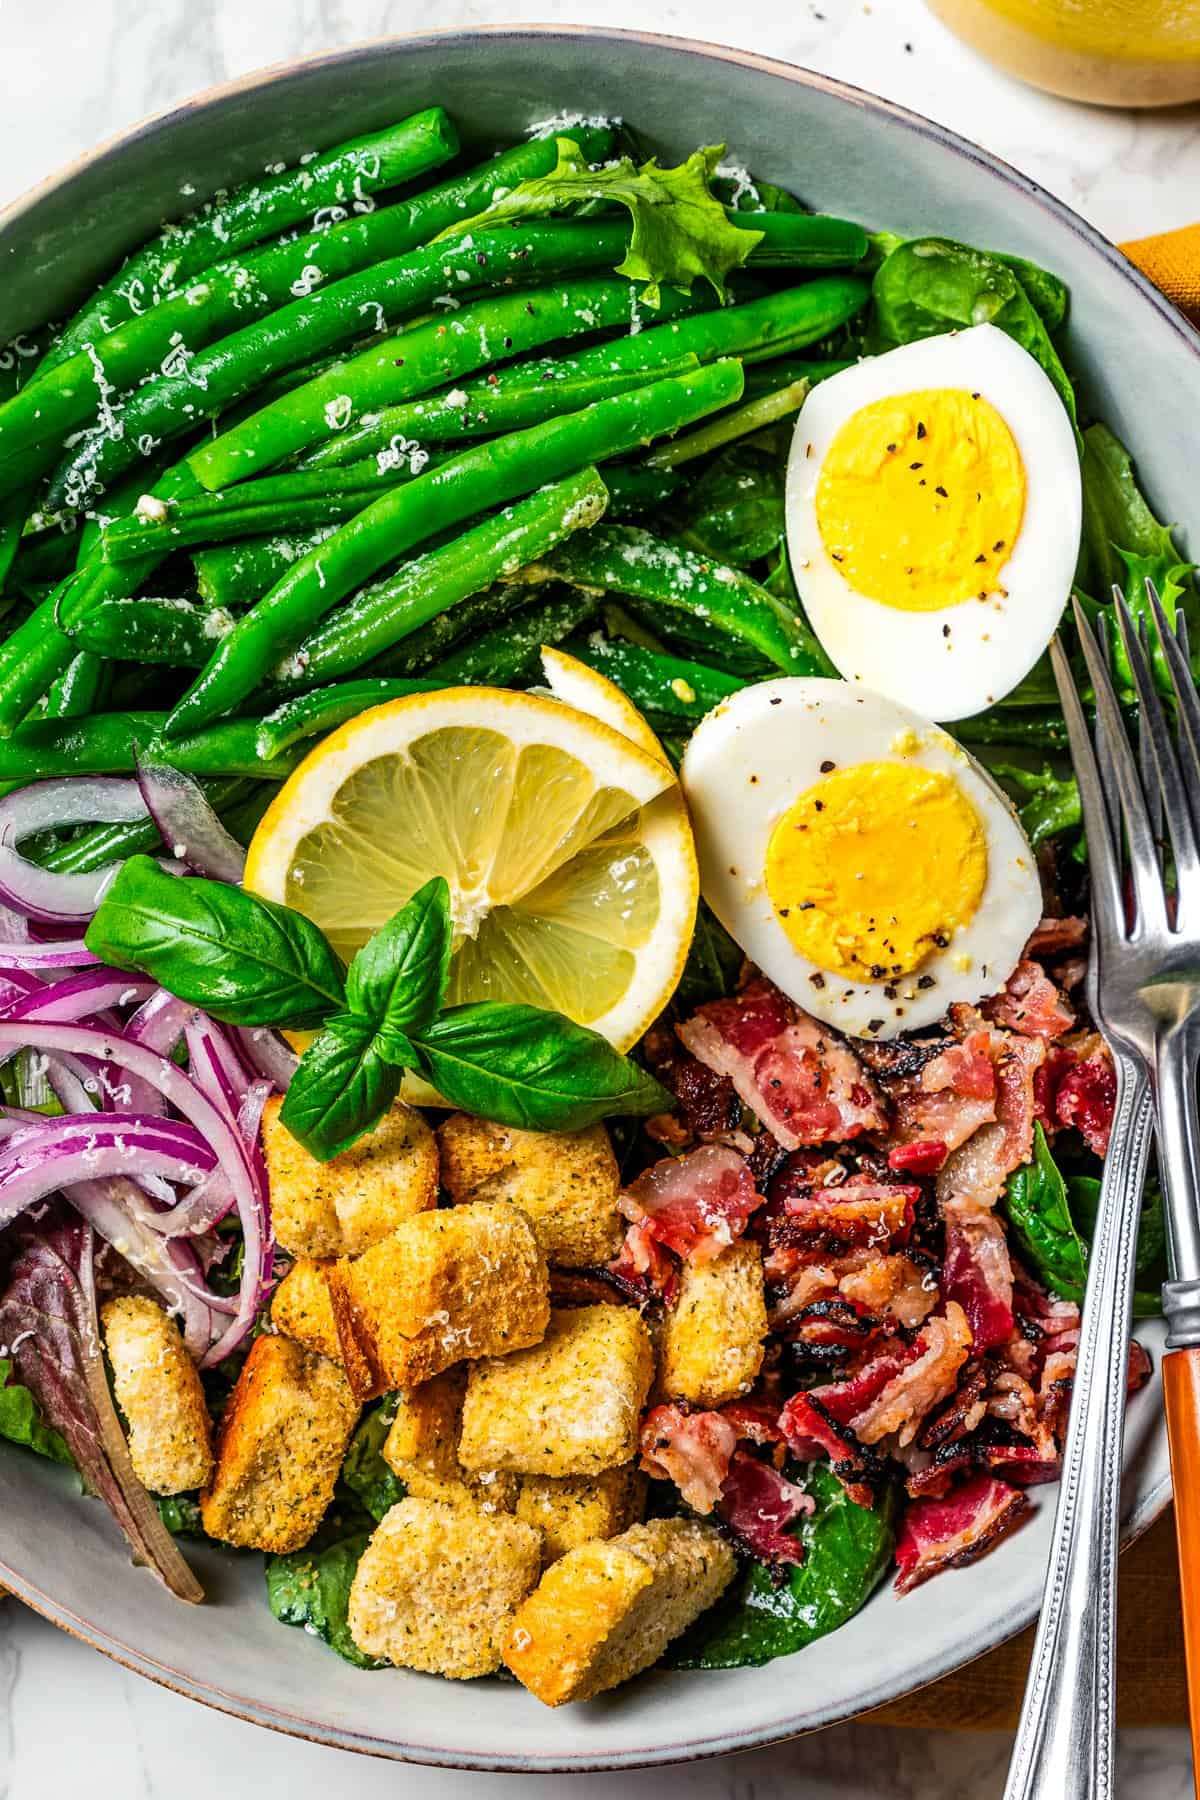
(1155, 733)
(1152, 790)
(1108, 905)
(1187, 703)
(1110, 731)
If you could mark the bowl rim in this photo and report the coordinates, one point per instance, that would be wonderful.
(1089, 239)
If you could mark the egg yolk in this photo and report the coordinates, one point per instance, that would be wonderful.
(920, 499)
(874, 868)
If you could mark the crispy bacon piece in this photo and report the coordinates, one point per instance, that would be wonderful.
(934, 1475)
(948, 1534)
(979, 1168)
(826, 1330)
(644, 1266)
(1031, 1004)
(811, 1430)
(952, 1097)
(694, 1450)
(708, 1101)
(757, 1503)
(696, 1205)
(755, 1418)
(1055, 936)
(800, 1078)
(924, 1157)
(1086, 1097)
(856, 1212)
(977, 1273)
(965, 1410)
(941, 1349)
(893, 1287)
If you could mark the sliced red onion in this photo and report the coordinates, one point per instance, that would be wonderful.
(160, 1023)
(45, 894)
(250, 1192)
(61, 954)
(215, 1065)
(79, 996)
(39, 1159)
(13, 928)
(169, 1265)
(189, 827)
(267, 1054)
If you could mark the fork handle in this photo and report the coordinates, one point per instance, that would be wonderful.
(1181, 1391)
(1064, 1739)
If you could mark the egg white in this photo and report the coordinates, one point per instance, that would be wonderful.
(992, 644)
(755, 754)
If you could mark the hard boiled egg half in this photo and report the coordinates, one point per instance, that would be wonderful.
(857, 854)
(933, 518)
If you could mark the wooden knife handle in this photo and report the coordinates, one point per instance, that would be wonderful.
(1181, 1390)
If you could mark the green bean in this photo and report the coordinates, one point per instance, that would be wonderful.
(418, 591)
(310, 715)
(99, 844)
(80, 688)
(529, 392)
(622, 559)
(295, 501)
(766, 377)
(20, 358)
(768, 409)
(105, 744)
(237, 573)
(1041, 727)
(633, 489)
(331, 181)
(490, 474)
(510, 652)
(669, 686)
(169, 630)
(803, 240)
(426, 646)
(13, 512)
(174, 403)
(44, 556)
(232, 296)
(494, 329)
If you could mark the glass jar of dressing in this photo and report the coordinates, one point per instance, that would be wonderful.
(1111, 52)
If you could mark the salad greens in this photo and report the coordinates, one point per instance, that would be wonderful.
(311, 1587)
(364, 1471)
(20, 1421)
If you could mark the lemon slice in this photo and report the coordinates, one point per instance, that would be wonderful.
(564, 841)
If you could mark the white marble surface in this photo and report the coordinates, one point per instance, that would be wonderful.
(74, 71)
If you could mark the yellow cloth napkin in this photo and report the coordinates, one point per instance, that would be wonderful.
(1171, 260)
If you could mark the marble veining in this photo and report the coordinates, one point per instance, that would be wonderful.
(75, 71)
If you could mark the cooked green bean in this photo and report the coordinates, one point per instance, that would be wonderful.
(174, 403)
(622, 559)
(169, 630)
(768, 409)
(237, 573)
(670, 686)
(232, 296)
(633, 489)
(44, 557)
(530, 391)
(330, 182)
(510, 651)
(1041, 727)
(803, 240)
(20, 358)
(486, 475)
(766, 377)
(80, 689)
(418, 591)
(308, 715)
(429, 644)
(488, 330)
(105, 743)
(100, 844)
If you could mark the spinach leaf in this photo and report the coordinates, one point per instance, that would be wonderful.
(340, 1089)
(364, 1471)
(736, 509)
(680, 230)
(1084, 1194)
(847, 1549)
(518, 1065)
(242, 959)
(311, 1587)
(931, 285)
(1047, 293)
(1053, 806)
(1036, 1206)
(713, 965)
(398, 978)
(20, 1421)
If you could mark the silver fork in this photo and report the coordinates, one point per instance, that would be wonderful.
(1143, 988)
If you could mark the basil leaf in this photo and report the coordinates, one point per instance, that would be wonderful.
(1036, 1206)
(341, 1088)
(242, 959)
(398, 978)
(519, 1065)
(364, 1471)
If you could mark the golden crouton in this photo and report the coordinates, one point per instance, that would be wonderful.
(711, 1347)
(569, 1405)
(158, 1390)
(446, 1286)
(606, 1611)
(568, 1183)
(283, 1437)
(302, 1309)
(571, 1510)
(437, 1586)
(343, 1206)
(421, 1447)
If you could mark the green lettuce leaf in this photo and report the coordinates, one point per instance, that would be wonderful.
(364, 1471)
(680, 229)
(20, 1421)
(311, 1587)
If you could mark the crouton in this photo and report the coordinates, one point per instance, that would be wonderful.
(569, 1405)
(421, 1447)
(343, 1206)
(570, 1510)
(283, 1437)
(464, 1282)
(437, 1586)
(606, 1611)
(568, 1183)
(301, 1308)
(159, 1392)
(711, 1346)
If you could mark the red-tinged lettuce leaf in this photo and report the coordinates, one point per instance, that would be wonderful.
(48, 1320)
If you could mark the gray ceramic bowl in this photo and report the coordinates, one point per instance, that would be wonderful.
(843, 151)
